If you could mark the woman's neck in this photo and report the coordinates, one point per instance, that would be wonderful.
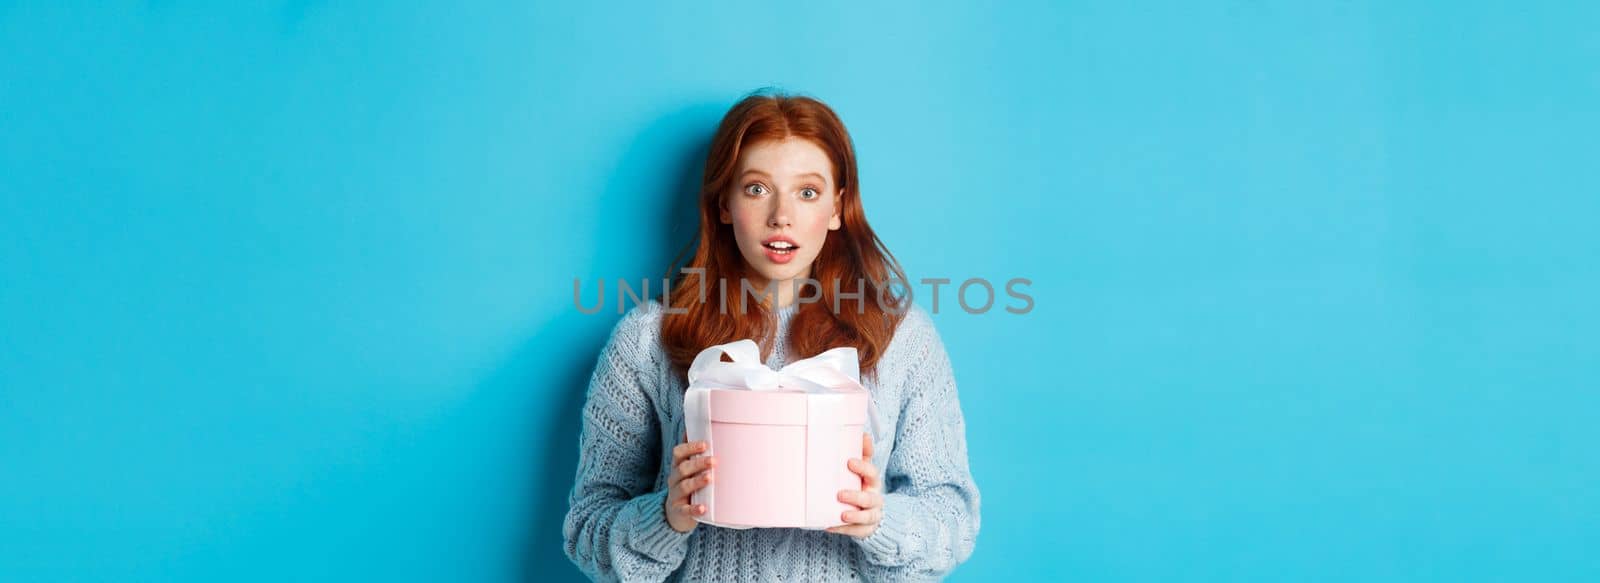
(787, 289)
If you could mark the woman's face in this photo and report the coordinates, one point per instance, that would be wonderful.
(782, 204)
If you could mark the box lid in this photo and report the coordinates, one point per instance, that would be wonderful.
(784, 407)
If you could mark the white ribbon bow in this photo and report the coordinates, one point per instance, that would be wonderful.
(834, 370)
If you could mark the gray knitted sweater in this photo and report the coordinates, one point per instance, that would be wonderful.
(616, 528)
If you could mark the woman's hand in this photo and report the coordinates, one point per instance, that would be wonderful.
(688, 476)
(868, 500)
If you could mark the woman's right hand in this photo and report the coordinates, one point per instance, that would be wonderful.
(689, 474)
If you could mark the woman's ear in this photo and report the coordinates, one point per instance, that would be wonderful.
(838, 201)
(722, 206)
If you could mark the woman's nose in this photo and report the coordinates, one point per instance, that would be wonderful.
(781, 214)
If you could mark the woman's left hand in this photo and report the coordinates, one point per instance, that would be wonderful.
(869, 499)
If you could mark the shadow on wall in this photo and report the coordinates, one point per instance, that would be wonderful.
(653, 191)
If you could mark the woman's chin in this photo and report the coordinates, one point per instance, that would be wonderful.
(773, 273)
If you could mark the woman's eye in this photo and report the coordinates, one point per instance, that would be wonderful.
(755, 189)
(809, 194)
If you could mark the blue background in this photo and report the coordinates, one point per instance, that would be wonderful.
(286, 287)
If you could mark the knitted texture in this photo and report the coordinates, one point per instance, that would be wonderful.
(616, 528)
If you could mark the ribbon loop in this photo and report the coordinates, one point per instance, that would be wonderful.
(833, 370)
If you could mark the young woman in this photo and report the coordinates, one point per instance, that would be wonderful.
(779, 204)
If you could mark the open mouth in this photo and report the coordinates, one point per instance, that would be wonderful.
(780, 247)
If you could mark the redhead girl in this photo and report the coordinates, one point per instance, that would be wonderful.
(780, 206)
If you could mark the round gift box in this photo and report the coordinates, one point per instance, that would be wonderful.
(782, 457)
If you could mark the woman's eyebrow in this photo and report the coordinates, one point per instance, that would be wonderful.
(809, 175)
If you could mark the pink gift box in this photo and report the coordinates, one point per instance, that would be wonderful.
(782, 439)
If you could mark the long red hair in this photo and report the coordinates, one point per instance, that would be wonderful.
(851, 254)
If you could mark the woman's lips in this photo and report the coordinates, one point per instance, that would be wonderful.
(779, 257)
(779, 248)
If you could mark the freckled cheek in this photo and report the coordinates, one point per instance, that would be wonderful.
(749, 223)
(814, 226)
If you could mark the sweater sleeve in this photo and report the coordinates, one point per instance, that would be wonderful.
(930, 511)
(615, 527)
